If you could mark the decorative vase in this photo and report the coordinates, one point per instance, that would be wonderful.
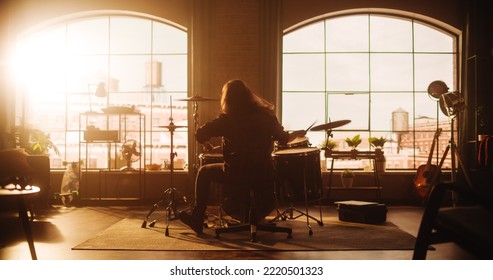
(354, 153)
(380, 160)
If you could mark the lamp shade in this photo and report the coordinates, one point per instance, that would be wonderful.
(101, 90)
(437, 88)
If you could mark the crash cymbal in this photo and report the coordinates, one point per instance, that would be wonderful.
(197, 98)
(171, 127)
(330, 125)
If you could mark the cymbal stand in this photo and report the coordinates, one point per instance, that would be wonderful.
(195, 127)
(168, 196)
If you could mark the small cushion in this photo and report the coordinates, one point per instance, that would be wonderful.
(13, 162)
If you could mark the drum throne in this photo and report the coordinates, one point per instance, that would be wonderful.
(250, 200)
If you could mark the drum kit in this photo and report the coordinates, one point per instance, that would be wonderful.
(297, 165)
(298, 174)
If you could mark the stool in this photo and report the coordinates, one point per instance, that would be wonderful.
(21, 194)
(219, 218)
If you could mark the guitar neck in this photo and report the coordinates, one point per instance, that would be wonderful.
(432, 148)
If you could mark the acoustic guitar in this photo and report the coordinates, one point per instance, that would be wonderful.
(428, 174)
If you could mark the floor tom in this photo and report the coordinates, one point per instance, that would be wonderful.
(298, 173)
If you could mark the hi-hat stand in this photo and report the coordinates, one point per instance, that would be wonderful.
(196, 99)
(169, 196)
(195, 102)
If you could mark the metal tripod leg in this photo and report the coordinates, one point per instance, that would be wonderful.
(288, 213)
(170, 192)
(167, 198)
(219, 220)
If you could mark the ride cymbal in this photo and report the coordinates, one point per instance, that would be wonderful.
(330, 125)
(197, 98)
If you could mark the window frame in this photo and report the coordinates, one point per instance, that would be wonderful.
(156, 113)
(441, 120)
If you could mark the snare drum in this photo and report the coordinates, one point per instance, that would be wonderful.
(296, 169)
(298, 142)
(210, 158)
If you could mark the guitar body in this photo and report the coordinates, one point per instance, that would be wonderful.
(426, 177)
(428, 174)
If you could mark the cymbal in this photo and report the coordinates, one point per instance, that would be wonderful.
(330, 125)
(171, 127)
(197, 98)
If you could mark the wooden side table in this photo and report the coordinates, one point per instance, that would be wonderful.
(355, 155)
(21, 195)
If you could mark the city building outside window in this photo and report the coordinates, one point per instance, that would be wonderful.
(373, 70)
(140, 62)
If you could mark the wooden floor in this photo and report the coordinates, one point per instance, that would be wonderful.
(58, 229)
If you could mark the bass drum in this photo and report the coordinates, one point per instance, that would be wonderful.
(295, 169)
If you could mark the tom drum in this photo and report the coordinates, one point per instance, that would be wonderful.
(298, 174)
(298, 142)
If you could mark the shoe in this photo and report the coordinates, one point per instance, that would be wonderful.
(192, 221)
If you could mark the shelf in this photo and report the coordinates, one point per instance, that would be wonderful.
(100, 138)
(355, 155)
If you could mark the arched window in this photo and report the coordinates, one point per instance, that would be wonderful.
(142, 62)
(373, 70)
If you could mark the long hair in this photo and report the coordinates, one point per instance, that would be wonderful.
(237, 98)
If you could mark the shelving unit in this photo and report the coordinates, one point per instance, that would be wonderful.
(101, 136)
(355, 155)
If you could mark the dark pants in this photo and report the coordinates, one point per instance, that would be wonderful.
(206, 175)
(238, 196)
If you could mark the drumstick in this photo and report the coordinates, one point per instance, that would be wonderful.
(310, 126)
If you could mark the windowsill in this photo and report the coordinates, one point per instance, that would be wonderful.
(387, 172)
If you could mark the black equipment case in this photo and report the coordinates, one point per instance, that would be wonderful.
(362, 211)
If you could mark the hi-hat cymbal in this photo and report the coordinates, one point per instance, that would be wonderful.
(330, 125)
(171, 127)
(197, 98)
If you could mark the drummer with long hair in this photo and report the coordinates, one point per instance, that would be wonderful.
(248, 127)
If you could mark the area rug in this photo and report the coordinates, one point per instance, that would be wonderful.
(333, 235)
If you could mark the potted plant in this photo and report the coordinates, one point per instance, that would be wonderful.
(41, 143)
(34, 141)
(328, 145)
(347, 178)
(353, 142)
(380, 159)
(377, 143)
